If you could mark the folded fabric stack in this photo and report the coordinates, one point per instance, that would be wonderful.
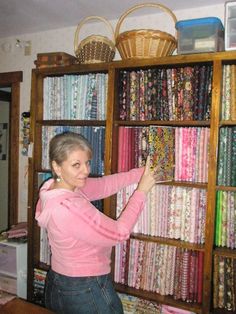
(18, 231)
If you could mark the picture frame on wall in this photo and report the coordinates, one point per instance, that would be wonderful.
(3, 141)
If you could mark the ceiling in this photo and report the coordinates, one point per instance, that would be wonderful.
(31, 16)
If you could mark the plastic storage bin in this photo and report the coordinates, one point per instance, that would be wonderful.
(13, 268)
(200, 35)
(230, 25)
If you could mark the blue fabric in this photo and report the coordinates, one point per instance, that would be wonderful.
(81, 295)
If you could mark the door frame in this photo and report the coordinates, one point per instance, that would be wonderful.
(13, 80)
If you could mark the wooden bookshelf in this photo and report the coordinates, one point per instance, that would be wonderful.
(112, 123)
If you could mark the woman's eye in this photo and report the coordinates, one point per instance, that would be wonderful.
(89, 163)
(77, 165)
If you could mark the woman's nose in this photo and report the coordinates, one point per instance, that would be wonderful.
(86, 169)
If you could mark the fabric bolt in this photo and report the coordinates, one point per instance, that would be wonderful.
(206, 153)
(166, 309)
(188, 210)
(185, 275)
(177, 168)
(192, 277)
(200, 276)
(151, 205)
(208, 94)
(202, 85)
(164, 93)
(233, 156)
(221, 283)
(229, 296)
(188, 93)
(140, 263)
(196, 272)
(224, 219)
(142, 103)
(232, 226)
(122, 95)
(228, 169)
(147, 278)
(201, 155)
(134, 114)
(169, 95)
(151, 266)
(144, 269)
(221, 154)
(174, 93)
(233, 92)
(163, 268)
(177, 274)
(227, 93)
(228, 219)
(177, 212)
(185, 155)
(131, 263)
(117, 267)
(215, 281)
(194, 209)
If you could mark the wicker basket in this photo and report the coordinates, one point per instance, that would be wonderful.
(145, 43)
(94, 48)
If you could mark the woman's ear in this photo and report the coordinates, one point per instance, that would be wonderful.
(56, 168)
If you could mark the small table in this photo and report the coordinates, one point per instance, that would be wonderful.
(19, 306)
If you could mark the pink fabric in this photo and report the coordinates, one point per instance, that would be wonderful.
(166, 309)
(18, 230)
(80, 236)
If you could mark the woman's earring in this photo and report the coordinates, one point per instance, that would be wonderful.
(58, 179)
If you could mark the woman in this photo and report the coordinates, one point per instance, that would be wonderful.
(80, 236)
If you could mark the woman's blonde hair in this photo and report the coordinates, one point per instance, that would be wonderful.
(61, 145)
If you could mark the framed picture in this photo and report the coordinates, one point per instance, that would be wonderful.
(3, 141)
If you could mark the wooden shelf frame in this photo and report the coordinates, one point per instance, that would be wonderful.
(217, 59)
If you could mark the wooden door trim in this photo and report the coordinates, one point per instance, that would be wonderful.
(13, 79)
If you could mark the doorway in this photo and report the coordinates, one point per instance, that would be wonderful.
(11, 81)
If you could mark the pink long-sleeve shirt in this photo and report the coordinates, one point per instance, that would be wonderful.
(80, 236)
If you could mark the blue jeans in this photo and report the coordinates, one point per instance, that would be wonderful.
(81, 295)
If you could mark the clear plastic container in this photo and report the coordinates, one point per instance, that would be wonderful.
(230, 25)
(200, 35)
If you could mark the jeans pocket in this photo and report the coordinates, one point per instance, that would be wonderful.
(102, 281)
(77, 301)
(108, 296)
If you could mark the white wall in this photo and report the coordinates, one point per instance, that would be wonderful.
(13, 59)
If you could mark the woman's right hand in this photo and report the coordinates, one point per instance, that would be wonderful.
(148, 178)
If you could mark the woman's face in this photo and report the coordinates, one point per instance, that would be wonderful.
(74, 170)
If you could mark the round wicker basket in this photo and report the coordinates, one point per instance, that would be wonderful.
(94, 48)
(145, 43)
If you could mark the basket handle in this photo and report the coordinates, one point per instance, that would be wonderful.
(92, 17)
(153, 5)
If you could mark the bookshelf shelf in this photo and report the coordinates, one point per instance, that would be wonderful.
(226, 252)
(168, 241)
(227, 122)
(226, 188)
(163, 123)
(72, 122)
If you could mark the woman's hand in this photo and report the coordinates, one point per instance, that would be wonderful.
(148, 178)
